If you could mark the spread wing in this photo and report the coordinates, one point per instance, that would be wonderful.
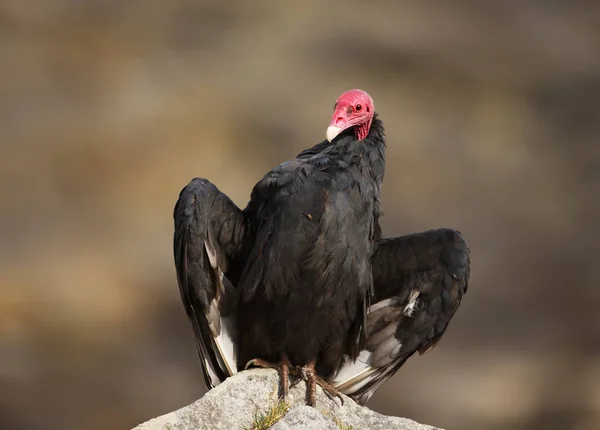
(208, 244)
(419, 282)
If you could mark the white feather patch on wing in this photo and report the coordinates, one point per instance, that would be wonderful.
(382, 304)
(383, 378)
(225, 344)
(221, 327)
(353, 375)
(214, 379)
(387, 350)
(212, 254)
(412, 301)
(214, 318)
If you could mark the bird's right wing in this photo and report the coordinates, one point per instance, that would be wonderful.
(208, 240)
(419, 281)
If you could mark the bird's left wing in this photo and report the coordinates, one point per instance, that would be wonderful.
(208, 241)
(419, 281)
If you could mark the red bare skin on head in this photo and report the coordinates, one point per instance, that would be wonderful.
(355, 109)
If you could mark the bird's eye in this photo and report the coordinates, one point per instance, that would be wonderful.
(358, 107)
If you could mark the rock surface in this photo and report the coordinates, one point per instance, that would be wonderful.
(236, 403)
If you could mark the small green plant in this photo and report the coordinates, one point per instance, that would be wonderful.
(264, 420)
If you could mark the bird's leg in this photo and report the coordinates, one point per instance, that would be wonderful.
(285, 376)
(283, 367)
(309, 374)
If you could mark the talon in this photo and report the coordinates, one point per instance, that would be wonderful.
(259, 362)
(312, 379)
(303, 373)
(296, 382)
(329, 390)
(283, 368)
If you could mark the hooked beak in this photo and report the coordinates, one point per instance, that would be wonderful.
(339, 122)
(332, 132)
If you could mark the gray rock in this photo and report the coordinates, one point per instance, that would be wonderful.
(236, 404)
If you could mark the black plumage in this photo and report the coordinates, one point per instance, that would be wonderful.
(302, 276)
(419, 281)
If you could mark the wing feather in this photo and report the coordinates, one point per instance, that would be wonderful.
(208, 242)
(419, 282)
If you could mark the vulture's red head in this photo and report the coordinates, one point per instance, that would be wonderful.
(353, 109)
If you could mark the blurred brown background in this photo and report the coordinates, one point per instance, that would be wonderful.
(108, 108)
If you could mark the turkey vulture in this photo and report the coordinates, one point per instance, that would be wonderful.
(301, 280)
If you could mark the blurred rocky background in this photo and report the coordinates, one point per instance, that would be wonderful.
(108, 108)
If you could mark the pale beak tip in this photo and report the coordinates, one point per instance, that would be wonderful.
(332, 132)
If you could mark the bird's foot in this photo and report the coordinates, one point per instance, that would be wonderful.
(283, 367)
(309, 374)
